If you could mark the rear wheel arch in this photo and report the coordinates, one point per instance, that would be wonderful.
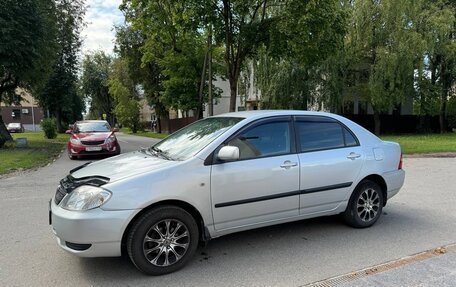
(378, 179)
(203, 233)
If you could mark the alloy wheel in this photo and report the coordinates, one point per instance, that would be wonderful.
(368, 204)
(166, 242)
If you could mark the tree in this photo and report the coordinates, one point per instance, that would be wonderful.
(60, 94)
(436, 23)
(27, 48)
(128, 47)
(126, 95)
(382, 45)
(291, 70)
(96, 68)
(241, 26)
(173, 45)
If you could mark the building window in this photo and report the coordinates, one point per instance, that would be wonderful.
(16, 114)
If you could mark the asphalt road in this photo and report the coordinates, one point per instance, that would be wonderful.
(422, 216)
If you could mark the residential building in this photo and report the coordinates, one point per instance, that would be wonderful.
(26, 111)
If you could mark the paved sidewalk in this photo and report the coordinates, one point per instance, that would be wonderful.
(431, 268)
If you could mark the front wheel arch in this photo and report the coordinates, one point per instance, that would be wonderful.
(203, 233)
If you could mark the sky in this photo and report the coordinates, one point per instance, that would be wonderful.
(101, 16)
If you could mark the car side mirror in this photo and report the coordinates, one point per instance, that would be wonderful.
(228, 153)
(69, 132)
(114, 130)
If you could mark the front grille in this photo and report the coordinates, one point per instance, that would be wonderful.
(92, 142)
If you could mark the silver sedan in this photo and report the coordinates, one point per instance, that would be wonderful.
(220, 175)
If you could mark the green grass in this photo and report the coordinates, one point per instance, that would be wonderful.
(428, 143)
(144, 133)
(39, 152)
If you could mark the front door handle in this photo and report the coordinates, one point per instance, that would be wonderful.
(353, 156)
(288, 164)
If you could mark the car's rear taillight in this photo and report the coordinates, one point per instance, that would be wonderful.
(400, 163)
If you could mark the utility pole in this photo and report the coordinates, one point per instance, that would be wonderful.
(33, 114)
(211, 103)
(199, 110)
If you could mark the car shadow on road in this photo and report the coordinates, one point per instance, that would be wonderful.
(290, 242)
(226, 246)
(291, 245)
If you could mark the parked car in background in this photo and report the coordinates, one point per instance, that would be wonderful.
(220, 175)
(89, 138)
(15, 128)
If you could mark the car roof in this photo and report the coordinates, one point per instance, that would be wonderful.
(91, 121)
(270, 113)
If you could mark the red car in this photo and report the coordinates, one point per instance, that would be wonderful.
(92, 138)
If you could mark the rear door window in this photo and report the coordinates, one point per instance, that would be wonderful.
(321, 135)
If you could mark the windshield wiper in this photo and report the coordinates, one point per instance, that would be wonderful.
(160, 153)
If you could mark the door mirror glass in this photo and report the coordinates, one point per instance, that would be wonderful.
(228, 153)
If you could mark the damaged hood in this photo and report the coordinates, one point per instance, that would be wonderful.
(122, 166)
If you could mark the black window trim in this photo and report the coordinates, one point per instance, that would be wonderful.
(321, 119)
(212, 159)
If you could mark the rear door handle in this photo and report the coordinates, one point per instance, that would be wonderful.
(288, 164)
(353, 156)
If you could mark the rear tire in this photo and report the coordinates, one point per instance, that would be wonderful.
(162, 240)
(365, 206)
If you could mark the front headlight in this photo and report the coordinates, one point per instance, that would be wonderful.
(85, 197)
(75, 141)
(110, 139)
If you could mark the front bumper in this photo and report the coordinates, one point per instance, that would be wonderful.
(98, 229)
(105, 149)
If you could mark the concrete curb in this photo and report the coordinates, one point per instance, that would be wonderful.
(350, 277)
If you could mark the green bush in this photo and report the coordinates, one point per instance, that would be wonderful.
(143, 126)
(49, 126)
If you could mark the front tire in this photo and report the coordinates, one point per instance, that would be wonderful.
(163, 240)
(365, 206)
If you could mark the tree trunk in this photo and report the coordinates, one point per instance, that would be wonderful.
(159, 126)
(443, 98)
(442, 112)
(377, 123)
(58, 119)
(233, 94)
(423, 112)
(4, 134)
